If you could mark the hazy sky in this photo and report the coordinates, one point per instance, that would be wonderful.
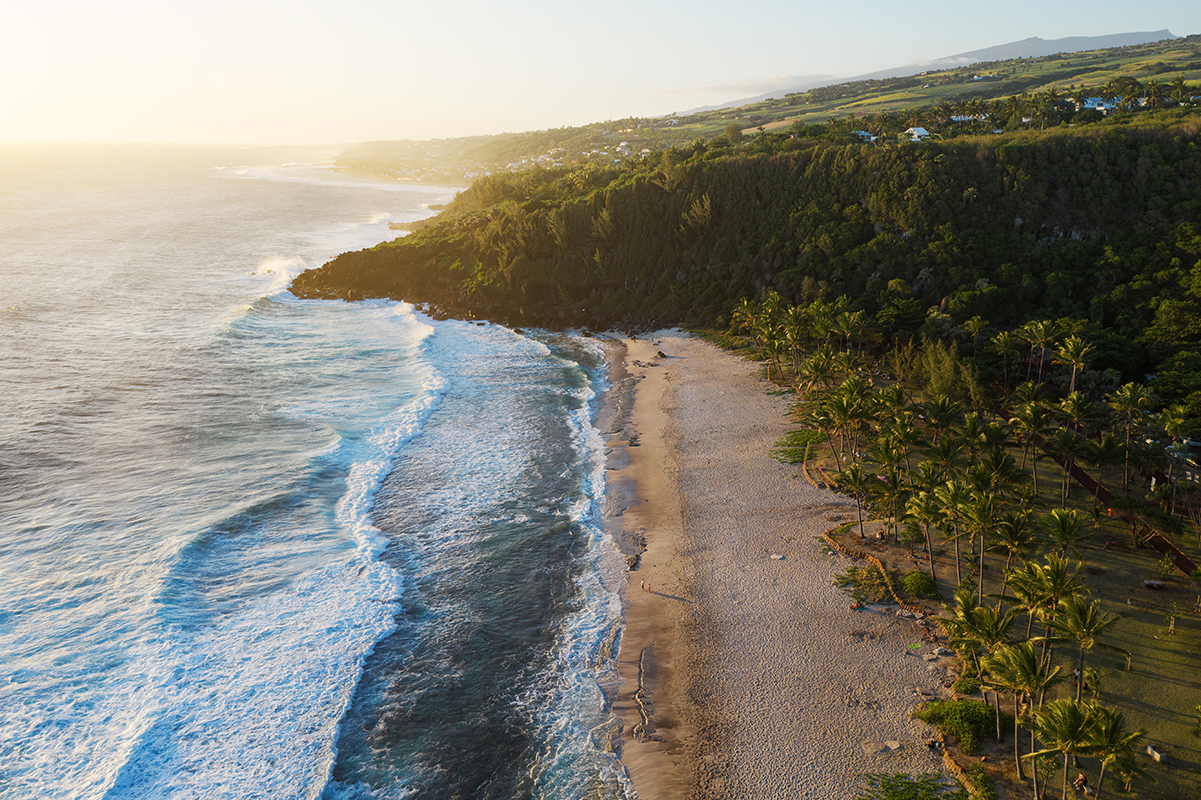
(269, 71)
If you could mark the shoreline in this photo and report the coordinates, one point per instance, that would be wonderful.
(744, 673)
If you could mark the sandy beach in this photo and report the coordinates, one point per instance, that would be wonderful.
(746, 673)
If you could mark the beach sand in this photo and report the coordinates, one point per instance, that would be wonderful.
(744, 675)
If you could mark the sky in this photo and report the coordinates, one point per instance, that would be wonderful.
(306, 72)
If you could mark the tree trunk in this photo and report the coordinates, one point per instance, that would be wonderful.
(958, 572)
(980, 586)
(1017, 744)
(930, 555)
(1034, 762)
(1101, 779)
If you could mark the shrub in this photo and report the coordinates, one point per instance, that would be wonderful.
(899, 786)
(966, 720)
(981, 782)
(920, 585)
(966, 685)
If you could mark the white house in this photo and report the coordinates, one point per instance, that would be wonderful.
(1100, 104)
(918, 134)
(865, 136)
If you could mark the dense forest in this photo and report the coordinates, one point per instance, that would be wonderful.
(1099, 223)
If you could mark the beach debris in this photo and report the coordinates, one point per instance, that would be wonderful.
(942, 651)
(777, 556)
(876, 748)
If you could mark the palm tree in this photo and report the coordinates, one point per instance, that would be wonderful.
(1066, 530)
(925, 509)
(1001, 470)
(854, 482)
(1105, 450)
(1006, 343)
(818, 370)
(940, 413)
(1015, 536)
(1017, 668)
(1031, 421)
(1040, 334)
(979, 518)
(890, 488)
(1076, 408)
(1065, 727)
(743, 315)
(1172, 422)
(1074, 351)
(819, 418)
(1068, 446)
(976, 326)
(947, 455)
(1111, 742)
(952, 498)
(1130, 402)
(1038, 588)
(1083, 620)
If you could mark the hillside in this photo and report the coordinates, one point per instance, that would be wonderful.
(1099, 223)
(896, 101)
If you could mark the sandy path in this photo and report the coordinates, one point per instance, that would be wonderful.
(758, 679)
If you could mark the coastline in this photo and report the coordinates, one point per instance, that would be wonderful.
(744, 671)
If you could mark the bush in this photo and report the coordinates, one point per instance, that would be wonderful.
(899, 786)
(966, 720)
(966, 685)
(981, 782)
(920, 585)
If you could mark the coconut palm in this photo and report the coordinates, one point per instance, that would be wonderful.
(743, 316)
(976, 326)
(1077, 408)
(1001, 471)
(1065, 728)
(1006, 343)
(1015, 536)
(1082, 619)
(1073, 352)
(820, 419)
(818, 370)
(979, 517)
(1038, 588)
(890, 489)
(952, 498)
(1031, 422)
(925, 509)
(1112, 743)
(1039, 334)
(1130, 402)
(1065, 528)
(1069, 447)
(1106, 449)
(1018, 669)
(940, 413)
(947, 455)
(854, 482)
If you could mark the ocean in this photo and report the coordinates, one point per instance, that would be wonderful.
(258, 547)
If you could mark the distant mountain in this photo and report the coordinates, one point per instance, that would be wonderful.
(1026, 48)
